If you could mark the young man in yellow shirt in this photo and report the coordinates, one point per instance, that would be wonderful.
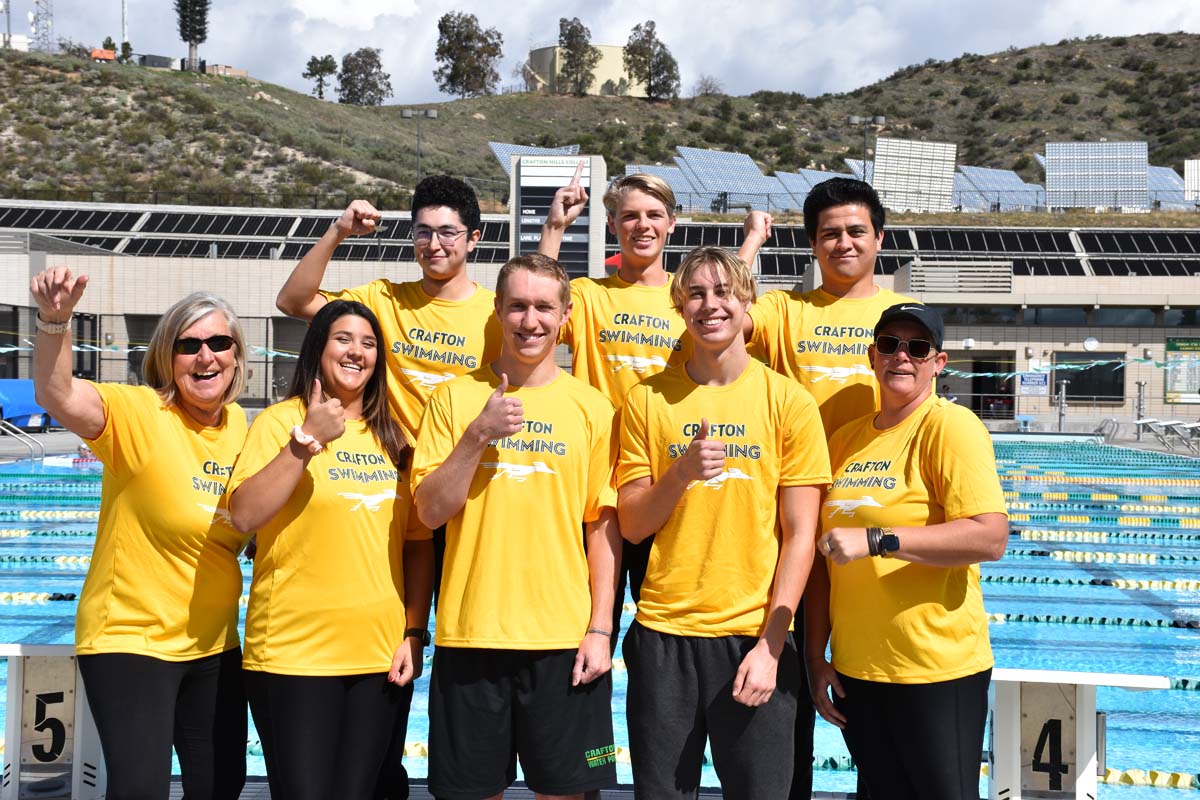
(512, 458)
(820, 339)
(723, 460)
(622, 328)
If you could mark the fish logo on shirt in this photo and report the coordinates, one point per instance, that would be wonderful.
(717, 481)
(220, 514)
(848, 507)
(836, 374)
(427, 380)
(638, 364)
(518, 472)
(372, 501)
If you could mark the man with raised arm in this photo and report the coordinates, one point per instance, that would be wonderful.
(724, 462)
(435, 328)
(820, 339)
(622, 327)
(512, 458)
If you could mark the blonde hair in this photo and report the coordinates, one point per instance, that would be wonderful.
(652, 185)
(538, 264)
(732, 270)
(160, 354)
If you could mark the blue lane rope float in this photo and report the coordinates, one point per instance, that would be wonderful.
(1081, 619)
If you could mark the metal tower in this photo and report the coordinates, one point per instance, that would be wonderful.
(124, 23)
(42, 23)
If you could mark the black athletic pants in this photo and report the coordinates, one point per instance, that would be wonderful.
(634, 558)
(806, 717)
(143, 705)
(324, 736)
(917, 741)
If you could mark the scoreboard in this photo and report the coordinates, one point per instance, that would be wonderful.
(533, 182)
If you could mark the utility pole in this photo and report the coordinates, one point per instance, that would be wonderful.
(7, 6)
(124, 21)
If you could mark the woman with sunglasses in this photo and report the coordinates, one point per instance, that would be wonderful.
(340, 597)
(914, 507)
(156, 630)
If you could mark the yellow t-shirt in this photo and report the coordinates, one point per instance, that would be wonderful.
(164, 579)
(713, 563)
(894, 621)
(328, 591)
(621, 333)
(428, 340)
(821, 341)
(515, 576)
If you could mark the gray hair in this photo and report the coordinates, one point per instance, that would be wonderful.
(160, 354)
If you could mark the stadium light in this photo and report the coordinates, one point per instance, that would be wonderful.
(866, 123)
(417, 113)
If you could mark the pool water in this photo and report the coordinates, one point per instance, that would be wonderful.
(1102, 574)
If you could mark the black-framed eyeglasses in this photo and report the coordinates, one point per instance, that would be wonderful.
(446, 236)
(918, 349)
(190, 345)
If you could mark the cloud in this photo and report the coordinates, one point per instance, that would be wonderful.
(786, 45)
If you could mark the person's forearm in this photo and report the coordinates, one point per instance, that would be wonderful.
(957, 543)
(443, 492)
(303, 286)
(643, 510)
(551, 241)
(418, 582)
(264, 494)
(604, 561)
(73, 402)
(791, 574)
(750, 247)
(816, 612)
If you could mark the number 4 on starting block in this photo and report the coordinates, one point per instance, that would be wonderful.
(51, 747)
(1044, 731)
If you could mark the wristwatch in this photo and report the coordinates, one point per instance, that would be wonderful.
(420, 633)
(888, 543)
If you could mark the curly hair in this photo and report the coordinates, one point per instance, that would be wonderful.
(443, 191)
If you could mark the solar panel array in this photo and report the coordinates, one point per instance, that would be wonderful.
(1167, 189)
(1097, 175)
(856, 168)
(1003, 188)
(1191, 179)
(914, 176)
(502, 151)
(966, 196)
(733, 174)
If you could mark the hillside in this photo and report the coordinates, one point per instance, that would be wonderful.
(71, 128)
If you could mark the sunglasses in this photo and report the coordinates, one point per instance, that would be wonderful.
(918, 349)
(190, 345)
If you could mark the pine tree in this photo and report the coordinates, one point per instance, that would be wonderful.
(193, 27)
(320, 69)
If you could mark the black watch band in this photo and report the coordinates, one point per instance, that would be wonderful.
(888, 543)
(420, 633)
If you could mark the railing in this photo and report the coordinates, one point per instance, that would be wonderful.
(37, 451)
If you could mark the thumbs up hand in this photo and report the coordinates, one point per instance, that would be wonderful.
(326, 419)
(501, 416)
(704, 459)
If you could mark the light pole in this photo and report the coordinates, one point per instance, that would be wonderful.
(417, 113)
(866, 123)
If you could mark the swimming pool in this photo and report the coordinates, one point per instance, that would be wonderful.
(1102, 574)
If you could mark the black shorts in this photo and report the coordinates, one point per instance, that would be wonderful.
(681, 692)
(487, 707)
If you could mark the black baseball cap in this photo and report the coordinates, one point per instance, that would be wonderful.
(928, 318)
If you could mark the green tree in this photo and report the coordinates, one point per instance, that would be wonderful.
(648, 61)
(320, 69)
(193, 27)
(578, 71)
(126, 56)
(362, 81)
(468, 56)
(109, 44)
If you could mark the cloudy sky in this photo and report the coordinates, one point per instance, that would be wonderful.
(790, 45)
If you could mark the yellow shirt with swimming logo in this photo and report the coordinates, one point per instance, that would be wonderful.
(164, 580)
(428, 340)
(327, 596)
(894, 621)
(713, 563)
(821, 341)
(621, 333)
(515, 575)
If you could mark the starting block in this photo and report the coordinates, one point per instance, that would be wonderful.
(51, 748)
(1045, 731)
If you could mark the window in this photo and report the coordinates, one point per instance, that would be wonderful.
(1125, 317)
(978, 315)
(1061, 316)
(1103, 383)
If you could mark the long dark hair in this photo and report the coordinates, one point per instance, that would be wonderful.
(375, 397)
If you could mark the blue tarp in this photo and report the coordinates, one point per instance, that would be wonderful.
(16, 401)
